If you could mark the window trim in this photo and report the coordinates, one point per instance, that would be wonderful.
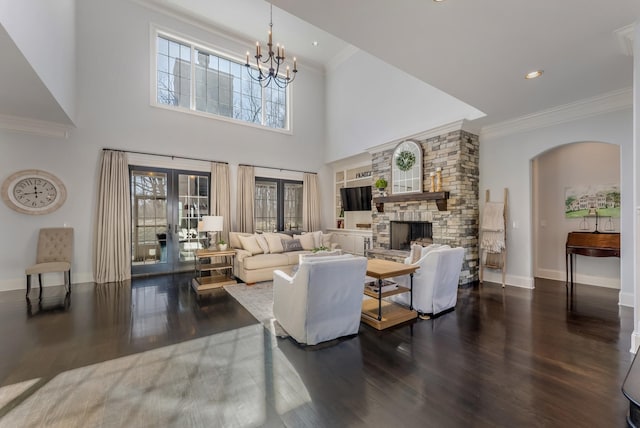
(155, 31)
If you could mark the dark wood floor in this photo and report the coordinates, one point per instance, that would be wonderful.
(505, 357)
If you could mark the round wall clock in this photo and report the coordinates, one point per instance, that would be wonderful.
(33, 192)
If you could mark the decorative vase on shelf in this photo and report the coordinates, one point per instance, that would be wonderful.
(222, 247)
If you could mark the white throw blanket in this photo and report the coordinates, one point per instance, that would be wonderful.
(493, 227)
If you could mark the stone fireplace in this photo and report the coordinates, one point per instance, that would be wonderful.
(454, 221)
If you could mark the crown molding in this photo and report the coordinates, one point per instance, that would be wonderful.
(34, 126)
(588, 107)
(625, 39)
(460, 125)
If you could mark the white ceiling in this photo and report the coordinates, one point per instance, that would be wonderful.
(249, 20)
(476, 51)
(479, 51)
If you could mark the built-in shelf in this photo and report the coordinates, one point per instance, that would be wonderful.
(439, 197)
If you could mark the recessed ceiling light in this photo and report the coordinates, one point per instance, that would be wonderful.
(314, 43)
(438, 1)
(533, 74)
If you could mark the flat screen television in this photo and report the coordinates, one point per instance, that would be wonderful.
(356, 198)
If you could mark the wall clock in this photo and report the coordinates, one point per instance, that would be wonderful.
(33, 192)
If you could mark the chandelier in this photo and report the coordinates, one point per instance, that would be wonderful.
(268, 69)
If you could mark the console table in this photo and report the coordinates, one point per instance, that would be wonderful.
(591, 244)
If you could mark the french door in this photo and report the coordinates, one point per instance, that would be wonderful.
(166, 206)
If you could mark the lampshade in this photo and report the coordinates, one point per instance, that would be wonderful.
(211, 223)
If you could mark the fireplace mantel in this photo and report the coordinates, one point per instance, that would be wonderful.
(439, 197)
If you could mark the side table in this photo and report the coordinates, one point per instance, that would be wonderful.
(213, 269)
(382, 314)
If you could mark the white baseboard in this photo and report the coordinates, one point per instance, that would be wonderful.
(49, 280)
(635, 342)
(626, 299)
(598, 281)
(513, 280)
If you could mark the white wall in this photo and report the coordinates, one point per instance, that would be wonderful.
(114, 112)
(370, 102)
(571, 165)
(505, 161)
(44, 31)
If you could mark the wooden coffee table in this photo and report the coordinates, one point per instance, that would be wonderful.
(382, 314)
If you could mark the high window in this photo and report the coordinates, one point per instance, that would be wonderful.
(278, 205)
(195, 78)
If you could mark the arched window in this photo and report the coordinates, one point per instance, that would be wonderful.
(406, 168)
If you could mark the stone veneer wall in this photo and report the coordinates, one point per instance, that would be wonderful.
(457, 153)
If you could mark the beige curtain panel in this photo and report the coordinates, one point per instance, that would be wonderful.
(112, 253)
(220, 196)
(310, 206)
(245, 198)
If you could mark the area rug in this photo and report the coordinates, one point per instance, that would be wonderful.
(237, 378)
(258, 300)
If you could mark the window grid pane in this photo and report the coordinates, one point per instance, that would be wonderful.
(222, 86)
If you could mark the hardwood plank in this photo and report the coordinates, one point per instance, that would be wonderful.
(504, 357)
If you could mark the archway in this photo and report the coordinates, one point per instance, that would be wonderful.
(587, 174)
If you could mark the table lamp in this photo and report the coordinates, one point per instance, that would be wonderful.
(211, 224)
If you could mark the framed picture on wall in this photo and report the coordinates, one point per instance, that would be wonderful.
(590, 200)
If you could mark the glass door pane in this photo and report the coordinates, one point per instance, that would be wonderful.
(292, 206)
(193, 203)
(149, 217)
(266, 206)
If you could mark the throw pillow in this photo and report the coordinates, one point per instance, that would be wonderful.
(250, 244)
(291, 245)
(262, 241)
(275, 242)
(317, 238)
(307, 241)
(326, 239)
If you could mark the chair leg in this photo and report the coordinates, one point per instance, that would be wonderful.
(40, 283)
(28, 285)
(67, 280)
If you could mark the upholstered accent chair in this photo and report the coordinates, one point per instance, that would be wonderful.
(55, 253)
(435, 284)
(323, 300)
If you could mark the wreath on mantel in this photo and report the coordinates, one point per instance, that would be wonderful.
(405, 160)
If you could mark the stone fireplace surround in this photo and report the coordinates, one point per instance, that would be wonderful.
(402, 233)
(457, 153)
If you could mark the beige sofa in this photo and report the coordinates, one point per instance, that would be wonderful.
(255, 263)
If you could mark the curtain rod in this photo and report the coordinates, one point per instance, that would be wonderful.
(166, 156)
(279, 169)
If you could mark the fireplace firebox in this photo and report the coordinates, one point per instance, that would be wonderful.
(403, 233)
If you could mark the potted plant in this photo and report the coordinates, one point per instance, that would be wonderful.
(381, 184)
(222, 245)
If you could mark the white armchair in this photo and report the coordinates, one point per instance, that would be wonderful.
(435, 284)
(323, 300)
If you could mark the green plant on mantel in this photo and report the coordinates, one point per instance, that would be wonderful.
(381, 183)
